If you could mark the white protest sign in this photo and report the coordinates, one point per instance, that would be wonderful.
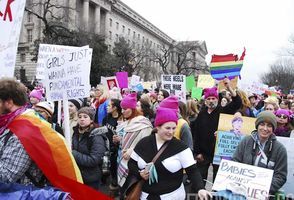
(176, 85)
(46, 51)
(252, 181)
(289, 143)
(135, 80)
(11, 14)
(67, 75)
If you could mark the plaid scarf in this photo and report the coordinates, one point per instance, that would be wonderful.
(9, 117)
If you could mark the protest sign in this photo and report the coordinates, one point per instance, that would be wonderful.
(233, 84)
(110, 82)
(46, 51)
(225, 145)
(205, 81)
(196, 93)
(68, 75)
(150, 85)
(289, 143)
(250, 181)
(231, 129)
(122, 79)
(135, 80)
(11, 14)
(175, 85)
(190, 82)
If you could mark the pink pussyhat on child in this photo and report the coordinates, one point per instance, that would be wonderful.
(129, 101)
(171, 102)
(210, 92)
(164, 115)
(36, 94)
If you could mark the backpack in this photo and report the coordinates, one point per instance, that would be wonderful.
(106, 157)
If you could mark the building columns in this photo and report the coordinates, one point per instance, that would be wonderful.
(97, 20)
(86, 14)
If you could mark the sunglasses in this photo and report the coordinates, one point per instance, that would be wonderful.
(282, 116)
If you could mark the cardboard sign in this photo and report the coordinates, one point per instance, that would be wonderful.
(11, 14)
(175, 85)
(233, 83)
(289, 143)
(109, 82)
(68, 75)
(205, 81)
(250, 181)
(197, 93)
(231, 129)
(122, 79)
(190, 82)
(135, 80)
(46, 51)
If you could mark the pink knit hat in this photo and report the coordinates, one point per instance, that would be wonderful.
(170, 102)
(164, 115)
(284, 112)
(36, 94)
(210, 92)
(129, 101)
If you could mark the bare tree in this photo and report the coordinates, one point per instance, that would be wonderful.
(52, 15)
(281, 74)
(185, 58)
(130, 57)
(162, 57)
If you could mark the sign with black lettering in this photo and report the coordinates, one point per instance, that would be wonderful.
(175, 85)
(246, 180)
(67, 75)
(11, 14)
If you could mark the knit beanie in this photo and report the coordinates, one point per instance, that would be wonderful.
(129, 101)
(266, 116)
(77, 102)
(170, 102)
(48, 106)
(210, 92)
(88, 111)
(283, 112)
(164, 115)
(36, 94)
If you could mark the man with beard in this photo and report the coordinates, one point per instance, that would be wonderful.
(205, 126)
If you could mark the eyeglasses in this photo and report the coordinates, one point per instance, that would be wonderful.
(282, 116)
(271, 109)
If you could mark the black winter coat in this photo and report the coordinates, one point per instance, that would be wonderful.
(88, 150)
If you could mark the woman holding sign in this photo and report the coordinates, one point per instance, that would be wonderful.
(262, 149)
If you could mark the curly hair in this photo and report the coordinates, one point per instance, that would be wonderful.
(11, 89)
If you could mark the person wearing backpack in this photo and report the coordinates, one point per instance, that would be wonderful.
(89, 145)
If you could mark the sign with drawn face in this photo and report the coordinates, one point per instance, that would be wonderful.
(11, 14)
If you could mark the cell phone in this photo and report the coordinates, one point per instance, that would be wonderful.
(148, 166)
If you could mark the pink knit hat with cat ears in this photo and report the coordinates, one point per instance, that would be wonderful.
(36, 94)
(171, 102)
(129, 101)
(210, 92)
(164, 115)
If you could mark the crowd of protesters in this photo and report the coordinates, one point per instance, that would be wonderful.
(133, 126)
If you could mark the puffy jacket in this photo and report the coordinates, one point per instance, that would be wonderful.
(88, 150)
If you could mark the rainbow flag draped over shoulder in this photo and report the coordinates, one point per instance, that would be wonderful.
(49, 151)
(229, 65)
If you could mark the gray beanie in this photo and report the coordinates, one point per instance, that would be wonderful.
(88, 111)
(266, 116)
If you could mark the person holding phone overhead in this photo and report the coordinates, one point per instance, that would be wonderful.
(163, 178)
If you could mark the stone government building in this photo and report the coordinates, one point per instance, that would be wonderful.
(110, 18)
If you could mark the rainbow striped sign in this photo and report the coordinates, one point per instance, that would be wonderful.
(229, 66)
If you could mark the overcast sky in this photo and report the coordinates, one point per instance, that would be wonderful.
(263, 27)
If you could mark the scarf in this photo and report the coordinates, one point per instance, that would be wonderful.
(7, 118)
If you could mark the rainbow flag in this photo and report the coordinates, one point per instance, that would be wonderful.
(229, 65)
(49, 151)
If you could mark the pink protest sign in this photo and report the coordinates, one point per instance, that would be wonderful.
(122, 79)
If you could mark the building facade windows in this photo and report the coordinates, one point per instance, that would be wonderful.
(129, 31)
(23, 57)
(116, 37)
(110, 35)
(117, 25)
(134, 35)
(110, 22)
(123, 29)
(30, 35)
